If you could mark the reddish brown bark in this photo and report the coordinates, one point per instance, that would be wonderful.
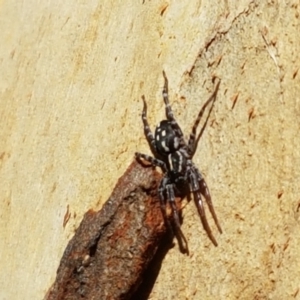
(111, 249)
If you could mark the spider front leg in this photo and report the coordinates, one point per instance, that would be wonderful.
(192, 143)
(169, 112)
(165, 93)
(147, 131)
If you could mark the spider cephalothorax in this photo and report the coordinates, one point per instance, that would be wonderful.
(174, 156)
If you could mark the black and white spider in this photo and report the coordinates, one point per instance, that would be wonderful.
(174, 156)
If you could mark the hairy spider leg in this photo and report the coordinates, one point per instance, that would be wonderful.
(152, 160)
(169, 112)
(193, 141)
(180, 236)
(195, 189)
(147, 131)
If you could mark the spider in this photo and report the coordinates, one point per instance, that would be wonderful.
(180, 175)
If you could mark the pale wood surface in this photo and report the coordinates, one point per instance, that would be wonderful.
(71, 79)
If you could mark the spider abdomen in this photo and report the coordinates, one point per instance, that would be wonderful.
(166, 140)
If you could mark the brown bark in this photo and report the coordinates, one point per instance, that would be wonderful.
(112, 248)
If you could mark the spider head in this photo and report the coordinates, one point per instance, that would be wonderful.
(166, 140)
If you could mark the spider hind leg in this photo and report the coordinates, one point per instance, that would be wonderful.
(198, 187)
(202, 214)
(205, 192)
(167, 195)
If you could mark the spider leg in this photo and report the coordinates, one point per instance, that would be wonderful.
(152, 160)
(165, 93)
(198, 186)
(183, 244)
(193, 141)
(161, 194)
(147, 131)
(205, 192)
(169, 112)
(201, 212)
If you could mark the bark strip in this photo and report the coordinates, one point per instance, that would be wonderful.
(111, 249)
